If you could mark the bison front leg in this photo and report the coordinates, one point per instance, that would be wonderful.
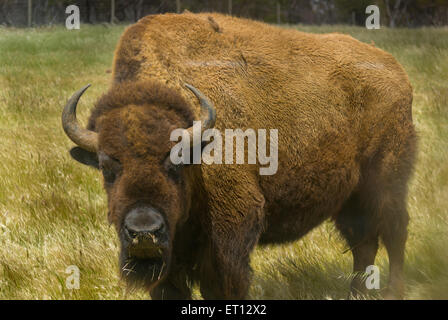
(234, 228)
(169, 291)
(225, 270)
(174, 287)
(358, 224)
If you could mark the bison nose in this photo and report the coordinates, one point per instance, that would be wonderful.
(143, 222)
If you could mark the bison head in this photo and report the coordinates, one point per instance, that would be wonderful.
(128, 139)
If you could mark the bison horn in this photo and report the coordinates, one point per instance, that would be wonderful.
(208, 112)
(84, 138)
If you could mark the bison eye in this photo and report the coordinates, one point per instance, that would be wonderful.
(109, 175)
(173, 170)
(110, 167)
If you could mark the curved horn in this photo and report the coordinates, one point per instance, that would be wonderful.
(84, 138)
(208, 112)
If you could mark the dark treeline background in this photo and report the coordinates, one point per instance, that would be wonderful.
(394, 13)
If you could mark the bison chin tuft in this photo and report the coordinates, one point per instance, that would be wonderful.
(143, 264)
(142, 272)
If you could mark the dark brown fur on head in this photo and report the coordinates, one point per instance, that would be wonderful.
(140, 93)
(134, 122)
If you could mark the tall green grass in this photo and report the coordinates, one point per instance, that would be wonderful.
(53, 210)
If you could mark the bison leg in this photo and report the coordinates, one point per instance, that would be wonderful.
(393, 232)
(174, 287)
(225, 275)
(358, 226)
(225, 271)
(390, 183)
(168, 291)
(235, 223)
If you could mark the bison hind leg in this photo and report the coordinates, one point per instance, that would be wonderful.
(358, 225)
(378, 210)
(393, 233)
(364, 219)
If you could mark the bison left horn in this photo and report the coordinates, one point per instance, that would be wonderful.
(208, 112)
(84, 138)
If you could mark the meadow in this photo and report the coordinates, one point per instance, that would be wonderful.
(53, 209)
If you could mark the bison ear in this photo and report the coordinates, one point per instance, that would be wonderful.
(85, 157)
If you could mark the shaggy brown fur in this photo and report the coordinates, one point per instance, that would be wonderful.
(346, 144)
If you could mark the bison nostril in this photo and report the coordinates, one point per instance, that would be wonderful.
(132, 234)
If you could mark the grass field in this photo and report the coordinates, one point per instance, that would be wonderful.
(53, 210)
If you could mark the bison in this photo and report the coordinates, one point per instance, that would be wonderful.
(346, 146)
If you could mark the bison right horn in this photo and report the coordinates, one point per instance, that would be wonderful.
(84, 138)
(208, 112)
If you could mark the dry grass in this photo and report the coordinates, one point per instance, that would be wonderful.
(53, 210)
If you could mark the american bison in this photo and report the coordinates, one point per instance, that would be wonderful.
(346, 146)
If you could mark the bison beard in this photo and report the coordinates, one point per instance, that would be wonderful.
(143, 266)
(142, 271)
